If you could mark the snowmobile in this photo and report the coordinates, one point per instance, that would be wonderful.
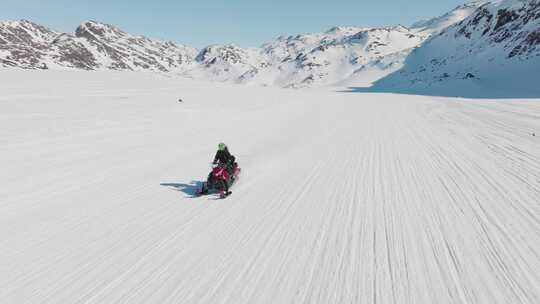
(219, 180)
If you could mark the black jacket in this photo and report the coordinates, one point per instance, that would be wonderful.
(223, 156)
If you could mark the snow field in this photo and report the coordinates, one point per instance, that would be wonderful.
(344, 197)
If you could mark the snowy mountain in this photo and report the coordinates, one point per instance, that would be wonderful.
(94, 46)
(498, 45)
(333, 56)
(352, 56)
(473, 41)
(307, 59)
(24, 44)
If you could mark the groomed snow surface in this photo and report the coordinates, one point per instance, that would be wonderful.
(344, 197)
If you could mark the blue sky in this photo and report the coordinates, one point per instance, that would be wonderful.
(243, 22)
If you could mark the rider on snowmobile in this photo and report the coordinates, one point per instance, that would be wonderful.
(225, 161)
(223, 156)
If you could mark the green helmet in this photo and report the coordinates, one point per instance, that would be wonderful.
(221, 146)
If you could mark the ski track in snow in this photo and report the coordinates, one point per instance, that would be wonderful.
(344, 197)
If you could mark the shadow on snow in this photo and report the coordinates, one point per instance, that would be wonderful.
(450, 91)
(189, 189)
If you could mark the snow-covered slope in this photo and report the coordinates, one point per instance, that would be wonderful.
(309, 59)
(94, 46)
(333, 56)
(225, 63)
(344, 198)
(24, 44)
(437, 24)
(496, 48)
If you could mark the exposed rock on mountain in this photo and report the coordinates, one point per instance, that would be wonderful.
(95, 46)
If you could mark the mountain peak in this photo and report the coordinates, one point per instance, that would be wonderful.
(399, 28)
(437, 24)
(22, 23)
(217, 52)
(343, 30)
(91, 29)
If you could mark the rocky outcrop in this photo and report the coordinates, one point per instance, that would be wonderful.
(94, 46)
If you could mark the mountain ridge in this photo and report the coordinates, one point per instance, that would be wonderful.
(342, 55)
